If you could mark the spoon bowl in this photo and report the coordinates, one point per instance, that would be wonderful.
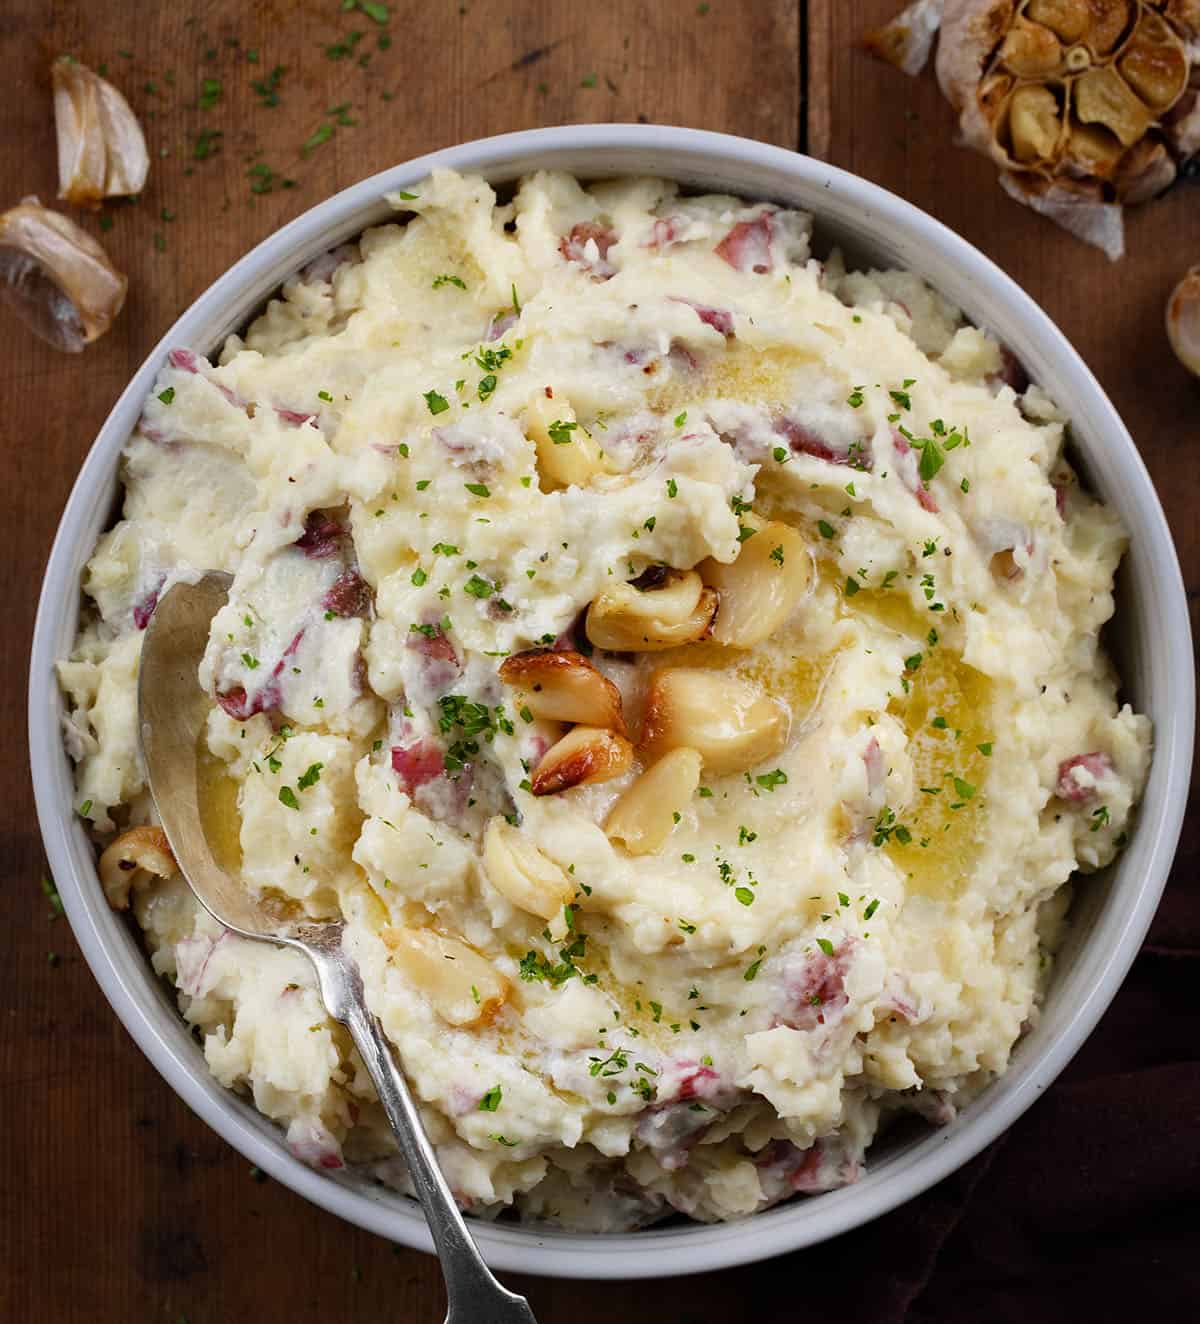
(172, 712)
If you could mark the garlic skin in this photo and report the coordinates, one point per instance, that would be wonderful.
(101, 148)
(1086, 105)
(908, 39)
(56, 277)
(1183, 321)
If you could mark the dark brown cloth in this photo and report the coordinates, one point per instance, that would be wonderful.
(1087, 1209)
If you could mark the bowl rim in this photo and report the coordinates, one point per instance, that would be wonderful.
(144, 1010)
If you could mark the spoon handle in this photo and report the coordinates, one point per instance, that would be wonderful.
(473, 1295)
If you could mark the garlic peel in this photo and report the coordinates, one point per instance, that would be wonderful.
(908, 39)
(56, 277)
(101, 147)
(1183, 321)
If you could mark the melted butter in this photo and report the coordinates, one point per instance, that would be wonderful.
(940, 858)
(741, 373)
(220, 817)
(788, 668)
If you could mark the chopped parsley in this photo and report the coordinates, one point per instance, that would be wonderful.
(478, 587)
(438, 404)
(560, 432)
(267, 88)
(672, 488)
(770, 780)
(319, 135)
(167, 395)
(477, 489)
(825, 945)
(886, 826)
(491, 1100)
(49, 890)
(439, 281)
(467, 721)
(288, 797)
(310, 777)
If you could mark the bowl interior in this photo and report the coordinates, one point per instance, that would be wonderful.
(1149, 638)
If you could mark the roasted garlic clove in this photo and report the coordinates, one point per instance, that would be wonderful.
(646, 812)
(1183, 321)
(1031, 50)
(1035, 125)
(760, 589)
(585, 755)
(463, 987)
(56, 278)
(1109, 21)
(1102, 96)
(729, 722)
(566, 455)
(1067, 19)
(672, 608)
(523, 873)
(131, 860)
(1154, 64)
(101, 149)
(563, 687)
(1092, 150)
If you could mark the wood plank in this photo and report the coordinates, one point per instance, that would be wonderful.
(118, 1203)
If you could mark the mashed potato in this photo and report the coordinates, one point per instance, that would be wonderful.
(770, 844)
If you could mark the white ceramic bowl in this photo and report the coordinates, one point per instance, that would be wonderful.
(1150, 638)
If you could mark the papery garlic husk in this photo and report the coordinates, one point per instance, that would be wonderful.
(101, 148)
(1183, 321)
(1086, 105)
(908, 39)
(56, 277)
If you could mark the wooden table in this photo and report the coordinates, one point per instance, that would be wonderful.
(116, 1203)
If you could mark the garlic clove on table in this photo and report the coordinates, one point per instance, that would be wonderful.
(101, 148)
(56, 277)
(1183, 321)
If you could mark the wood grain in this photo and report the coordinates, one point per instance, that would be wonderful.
(117, 1203)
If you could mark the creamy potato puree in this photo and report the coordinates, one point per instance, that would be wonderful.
(429, 455)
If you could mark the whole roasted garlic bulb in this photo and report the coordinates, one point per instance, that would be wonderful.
(56, 277)
(101, 148)
(1085, 105)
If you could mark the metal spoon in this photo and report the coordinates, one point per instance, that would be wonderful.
(172, 710)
